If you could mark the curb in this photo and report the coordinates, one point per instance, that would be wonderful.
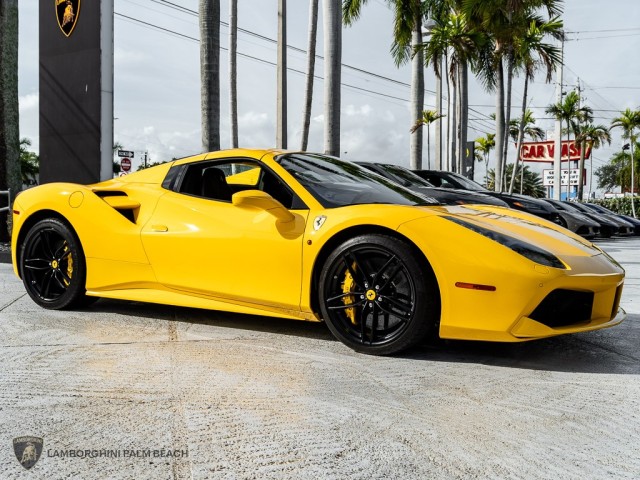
(5, 257)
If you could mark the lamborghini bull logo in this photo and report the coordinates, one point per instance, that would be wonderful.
(27, 450)
(67, 12)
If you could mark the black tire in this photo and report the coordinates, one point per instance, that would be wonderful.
(52, 265)
(377, 296)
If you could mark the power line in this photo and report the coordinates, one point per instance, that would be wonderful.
(267, 62)
(251, 57)
(291, 47)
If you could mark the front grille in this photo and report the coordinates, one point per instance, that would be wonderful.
(564, 307)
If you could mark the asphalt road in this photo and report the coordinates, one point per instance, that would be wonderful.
(252, 397)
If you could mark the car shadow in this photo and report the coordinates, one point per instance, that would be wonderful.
(609, 351)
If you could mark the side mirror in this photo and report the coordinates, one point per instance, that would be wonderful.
(259, 200)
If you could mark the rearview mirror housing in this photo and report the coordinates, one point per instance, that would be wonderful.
(259, 200)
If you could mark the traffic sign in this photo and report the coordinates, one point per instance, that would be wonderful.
(125, 164)
(125, 153)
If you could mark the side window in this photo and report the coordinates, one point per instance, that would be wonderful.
(219, 180)
(435, 180)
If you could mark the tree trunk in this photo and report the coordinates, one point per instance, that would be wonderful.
(210, 73)
(520, 135)
(445, 74)
(332, 13)
(464, 115)
(417, 95)
(10, 176)
(281, 128)
(429, 147)
(233, 71)
(438, 165)
(459, 146)
(500, 126)
(311, 65)
(507, 118)
(583, 146)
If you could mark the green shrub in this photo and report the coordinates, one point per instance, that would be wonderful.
(622, 206)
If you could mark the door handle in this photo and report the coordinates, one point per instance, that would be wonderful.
(159, 228)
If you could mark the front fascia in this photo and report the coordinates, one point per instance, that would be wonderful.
(457, 254)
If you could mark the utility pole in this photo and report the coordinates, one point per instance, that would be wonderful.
(438, 165)
(557, 151)
(281, 128)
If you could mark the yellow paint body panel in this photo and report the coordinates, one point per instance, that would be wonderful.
(241, 257)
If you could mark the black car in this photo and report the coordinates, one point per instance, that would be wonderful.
(518, 202)
(446, 196)
(608, 226)
(600, 209)
(576, 221)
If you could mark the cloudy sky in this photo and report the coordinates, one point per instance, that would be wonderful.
(157, 91)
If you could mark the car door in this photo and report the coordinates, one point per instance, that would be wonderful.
(209, 246)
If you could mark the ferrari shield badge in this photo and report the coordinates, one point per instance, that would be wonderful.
(67, 12)
(318, 222)
(27, 450)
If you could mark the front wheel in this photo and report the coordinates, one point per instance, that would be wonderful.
(377, 295)
(52, 265)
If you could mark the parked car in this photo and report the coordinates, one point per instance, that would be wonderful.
(633, 221)
(447, 196)
(311, 237)
(576, 221)
(607, 227)
(519, 202)
(623, 228)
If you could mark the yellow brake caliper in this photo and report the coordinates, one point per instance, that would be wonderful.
(69, 265)
(347, 287)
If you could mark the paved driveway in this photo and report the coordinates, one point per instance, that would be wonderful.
(125, 390)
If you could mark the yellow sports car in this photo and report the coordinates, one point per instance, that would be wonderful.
(311, 237)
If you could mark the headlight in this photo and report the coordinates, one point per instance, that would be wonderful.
(533, 253)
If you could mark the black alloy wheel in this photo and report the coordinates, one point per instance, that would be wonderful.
(52, 265)
(377, 296)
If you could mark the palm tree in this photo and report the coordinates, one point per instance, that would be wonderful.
(428, 117)
(29, 163)
(311, 64)
(332, 15)
(281, 127)
(484, 145)
(233, 71)
(518, 128)
(407, 35)
(593, 136)
(453, 33)
(629, 120)
(529, 127)
(532, 184)
(571, 112)
(505, 22)
(530, 53)
(209, 19)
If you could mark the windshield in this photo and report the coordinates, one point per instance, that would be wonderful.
(405, 177)
(337, 183)
(465, 183)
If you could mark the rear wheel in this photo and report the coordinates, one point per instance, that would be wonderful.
(52, 265)
(377, 296)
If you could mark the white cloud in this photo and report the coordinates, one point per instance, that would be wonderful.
(29, 102)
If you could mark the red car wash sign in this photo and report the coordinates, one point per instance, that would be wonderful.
(544, 151)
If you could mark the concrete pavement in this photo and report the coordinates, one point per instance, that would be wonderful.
(253, 397)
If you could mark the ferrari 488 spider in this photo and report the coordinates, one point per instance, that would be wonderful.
(311, 237)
